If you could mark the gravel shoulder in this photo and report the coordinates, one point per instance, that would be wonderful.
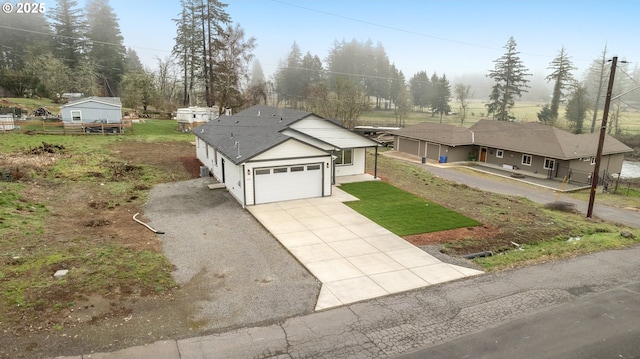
(236, 272)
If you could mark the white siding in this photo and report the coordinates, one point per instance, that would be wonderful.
(289, 149)
(358, 166)
(331, 133)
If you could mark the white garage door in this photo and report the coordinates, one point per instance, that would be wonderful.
(284, 183)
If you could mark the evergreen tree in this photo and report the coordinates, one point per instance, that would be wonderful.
(212, 19)
(257, 91)
(106, 49)
(420, 89)
(442, 90)
(563, 79)
(289, 84)
(69, 26)
(185, 49)
(509, 75)
(22, 39)
(577, 108)
(594, 82)
(132, 62)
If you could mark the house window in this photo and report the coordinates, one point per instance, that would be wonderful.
(549, 163)
(344, 157)
(526, 160)
(499, 153)
(593, 161)
(206, 151)
(76, 116)
(215, 156)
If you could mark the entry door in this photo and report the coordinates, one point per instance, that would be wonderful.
(483, 154)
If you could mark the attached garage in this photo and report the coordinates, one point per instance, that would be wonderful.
(282, 183)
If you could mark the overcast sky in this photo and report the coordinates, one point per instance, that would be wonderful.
(447, 36)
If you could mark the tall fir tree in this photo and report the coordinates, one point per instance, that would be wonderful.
(106, 48)
(69, 29)
(510, 79)
(561, 68)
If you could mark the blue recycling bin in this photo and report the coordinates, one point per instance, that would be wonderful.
(443, 159)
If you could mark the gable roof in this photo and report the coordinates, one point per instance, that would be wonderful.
(110, 101)
(542, 140)
(524, 137)
(436, 132)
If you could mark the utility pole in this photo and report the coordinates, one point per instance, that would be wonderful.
(603, 130)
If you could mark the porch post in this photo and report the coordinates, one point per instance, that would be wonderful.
(375, 164)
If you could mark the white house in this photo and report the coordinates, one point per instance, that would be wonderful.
(92, 110)
(265, 154)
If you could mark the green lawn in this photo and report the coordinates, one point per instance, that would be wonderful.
(402, 212)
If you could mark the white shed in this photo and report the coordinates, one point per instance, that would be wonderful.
(7, 123)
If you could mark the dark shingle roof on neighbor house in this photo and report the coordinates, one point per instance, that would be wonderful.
(529, 137)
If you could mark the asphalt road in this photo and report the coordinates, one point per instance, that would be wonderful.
(534, 193)
(586, 307)
(603, 325)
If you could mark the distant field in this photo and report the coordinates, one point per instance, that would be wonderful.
(523, 111)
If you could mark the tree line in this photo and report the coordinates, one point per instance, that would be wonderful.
(580, 98)
(212, 64)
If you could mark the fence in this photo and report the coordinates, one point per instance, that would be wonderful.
(62, 128)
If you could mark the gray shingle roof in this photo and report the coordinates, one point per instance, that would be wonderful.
(112, 101)
(538, 139)
(249, 132)
(435, 132)
(529, 137)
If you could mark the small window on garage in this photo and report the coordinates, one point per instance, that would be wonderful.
(313, 167)
(297, 168)
(280, 170)
(499, 153)
(262, 171)
(526, 159)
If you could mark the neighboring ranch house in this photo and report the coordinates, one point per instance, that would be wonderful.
(524, 147)
(265, 154)
(92, 110)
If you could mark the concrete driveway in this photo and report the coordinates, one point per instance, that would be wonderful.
(353, 257)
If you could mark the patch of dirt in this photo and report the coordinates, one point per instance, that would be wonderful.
(124, 316)
(453, 235)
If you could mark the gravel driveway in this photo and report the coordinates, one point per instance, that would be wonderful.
(238, 273)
